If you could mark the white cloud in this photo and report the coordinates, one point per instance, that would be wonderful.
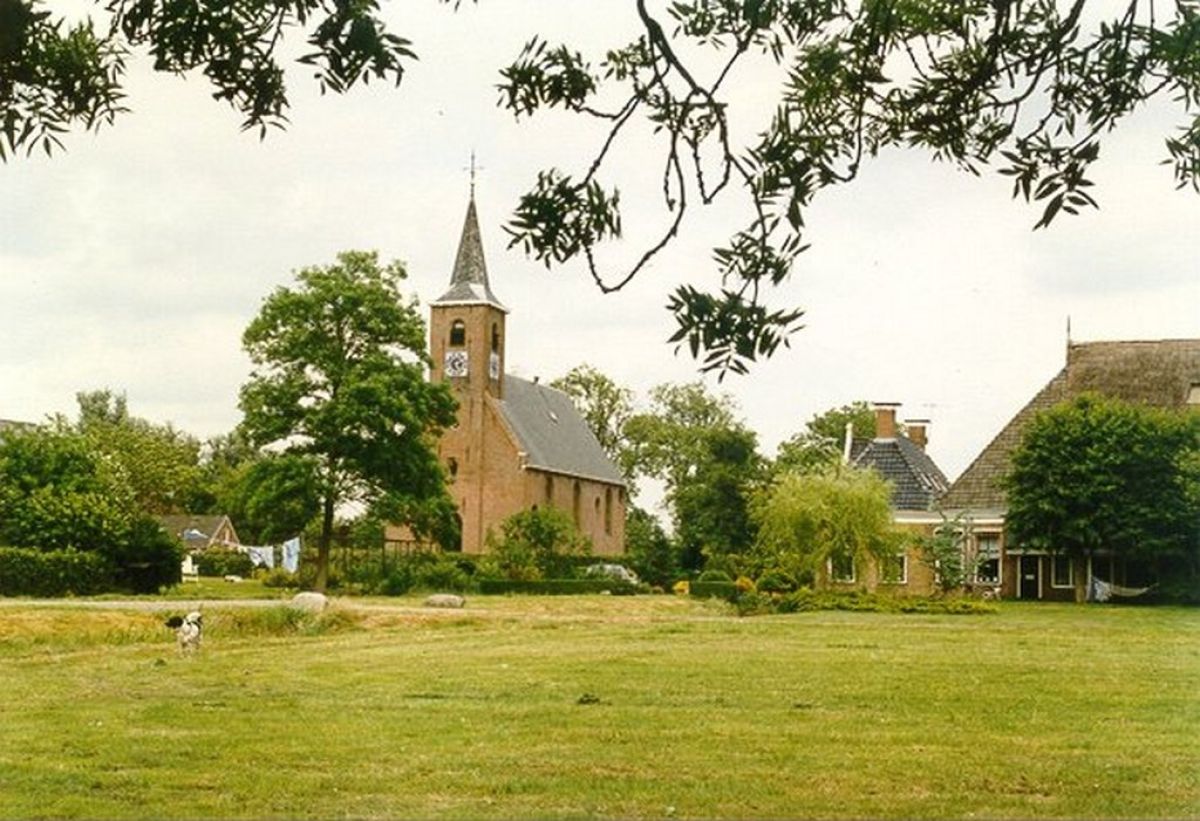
(135, 259)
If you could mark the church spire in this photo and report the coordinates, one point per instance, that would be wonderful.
(469, 280)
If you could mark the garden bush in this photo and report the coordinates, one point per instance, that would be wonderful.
(30, 572)
(221, 561)
(806, 600)
(776, 581)
(277, 577)
(715, 576)
(727, 590)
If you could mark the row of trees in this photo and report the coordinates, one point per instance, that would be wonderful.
(1091, 475)
(729, 506)
(338, 410)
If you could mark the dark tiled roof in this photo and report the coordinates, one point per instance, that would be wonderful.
(552, 433)
(1158, 373)
(917, 481)
(469, 281)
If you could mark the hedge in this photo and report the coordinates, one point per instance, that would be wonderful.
(727, 590)
(31, 572)
(557, 587)
(805, 600)
(220, 561)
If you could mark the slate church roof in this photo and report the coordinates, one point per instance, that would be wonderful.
(917, 481)
(552, 433)
(469, 281)
(1163, 373)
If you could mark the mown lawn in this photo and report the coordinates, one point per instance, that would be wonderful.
(603, 707)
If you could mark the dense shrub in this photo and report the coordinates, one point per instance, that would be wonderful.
(556, 587)
(220, 561)
(715, 576)
(30, 572)
(805, 600)
(727, 590)
(146, 559)
(776, 581)
(277, 577)
(541, 543)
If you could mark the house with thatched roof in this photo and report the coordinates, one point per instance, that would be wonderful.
(1161, 373)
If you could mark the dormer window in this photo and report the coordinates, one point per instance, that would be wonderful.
(458, 333)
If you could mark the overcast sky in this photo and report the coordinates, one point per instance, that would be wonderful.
(135, 259)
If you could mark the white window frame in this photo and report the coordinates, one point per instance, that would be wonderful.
(981, 557)
(1054, 560)
(903, 578)
(851, 579)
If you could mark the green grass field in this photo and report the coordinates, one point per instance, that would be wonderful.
(601, 707)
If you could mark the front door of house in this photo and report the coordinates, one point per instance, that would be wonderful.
(1029, 570)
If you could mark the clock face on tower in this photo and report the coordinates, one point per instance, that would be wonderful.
(456, 363)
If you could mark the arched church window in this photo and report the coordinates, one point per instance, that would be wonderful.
(458, 333)
(452, 465)
(608, 511)
(575, 502)
(495, 337)
(549, 487)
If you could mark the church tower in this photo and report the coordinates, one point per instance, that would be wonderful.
(517, 445)
(466, 342)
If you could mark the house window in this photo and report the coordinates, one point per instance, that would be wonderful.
(841, 568)
(458, 333)
(987, 558)
(1062, 572)
(893, 569)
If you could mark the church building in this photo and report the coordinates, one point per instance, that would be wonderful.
(517, 444)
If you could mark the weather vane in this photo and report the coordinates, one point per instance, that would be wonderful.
(473, 168)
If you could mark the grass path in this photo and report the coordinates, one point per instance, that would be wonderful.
(603, 707)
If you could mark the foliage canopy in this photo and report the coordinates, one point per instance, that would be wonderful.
(339, 382)
(1032, 87)
(1100, 474)
(805, 520)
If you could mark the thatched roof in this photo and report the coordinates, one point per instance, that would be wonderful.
(1160, 373)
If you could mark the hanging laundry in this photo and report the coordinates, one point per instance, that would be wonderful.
(262, 556)
(291, 555)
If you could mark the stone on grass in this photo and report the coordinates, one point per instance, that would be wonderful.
(311, 601)
(445, 600)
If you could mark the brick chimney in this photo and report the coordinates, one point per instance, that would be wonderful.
(917, 431)
(885, 419)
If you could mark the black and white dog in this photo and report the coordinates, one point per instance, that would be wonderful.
(187, 631)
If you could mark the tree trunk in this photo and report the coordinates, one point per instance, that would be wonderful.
(325, 542)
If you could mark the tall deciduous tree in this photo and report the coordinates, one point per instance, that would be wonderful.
(708, 461)
(605, 406)
(805, 520)
(821, 442)
(162, 464)
(339, 380)
(1100, 474)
